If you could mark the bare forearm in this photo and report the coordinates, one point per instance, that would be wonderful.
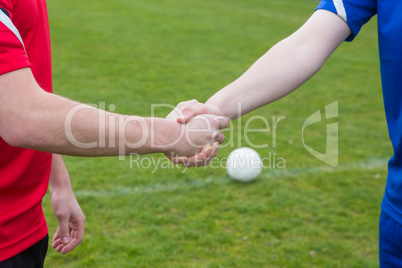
(79, 129)
(71, 128)
(32, 118)
(59, 181)
(59, 177)
(284, 68)
(280, 71)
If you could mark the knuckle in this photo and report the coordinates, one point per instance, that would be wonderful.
(60, 214)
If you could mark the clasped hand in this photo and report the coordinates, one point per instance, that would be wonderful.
(202, 125)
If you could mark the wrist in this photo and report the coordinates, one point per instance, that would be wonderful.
(214, 107)
(165, 135)
(60, 189)
(171, 136)
(61, 184)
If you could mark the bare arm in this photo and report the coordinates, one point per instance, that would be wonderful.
(33, 118)
(284, 68)
(66, 208)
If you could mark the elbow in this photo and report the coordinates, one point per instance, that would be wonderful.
(12, 138)
(19, 133)
(15, 137)
(25, 127)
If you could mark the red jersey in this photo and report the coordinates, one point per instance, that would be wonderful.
(24, 173)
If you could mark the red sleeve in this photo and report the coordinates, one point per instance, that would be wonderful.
(12, 52)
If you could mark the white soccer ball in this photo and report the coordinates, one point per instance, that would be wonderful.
(244, 164)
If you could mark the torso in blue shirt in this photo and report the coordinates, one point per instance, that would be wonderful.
(356, 13)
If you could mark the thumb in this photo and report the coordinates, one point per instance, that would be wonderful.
(191, 111)
(64, 230)
(223, 122)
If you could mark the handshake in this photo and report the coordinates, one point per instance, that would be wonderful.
(200, 136)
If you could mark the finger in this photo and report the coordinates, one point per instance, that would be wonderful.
(181, 106)
(77, 234)
(77, 237)
(196, 163)
(191, 161)
(177, 159)
(56, 243)
(205, 152)
(56, 235)
(67, 248)
(222, 121)
(201, 163)
(218, 136)
(64, 230)
(203, 160)
(197, 160)
(210, 153)
(190, 112)
(60, 247)
(213, 154)
(202, 156)
(72, 245)
(214, 151)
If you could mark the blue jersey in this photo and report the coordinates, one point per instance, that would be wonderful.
(389, 12)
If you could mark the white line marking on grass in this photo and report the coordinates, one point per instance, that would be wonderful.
(365, 165)
(198, 183)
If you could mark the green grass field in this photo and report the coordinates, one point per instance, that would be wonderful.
(137, 53)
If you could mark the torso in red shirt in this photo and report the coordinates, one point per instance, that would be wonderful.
(24, 173)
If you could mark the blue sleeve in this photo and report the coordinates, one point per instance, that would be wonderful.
(356, 13)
